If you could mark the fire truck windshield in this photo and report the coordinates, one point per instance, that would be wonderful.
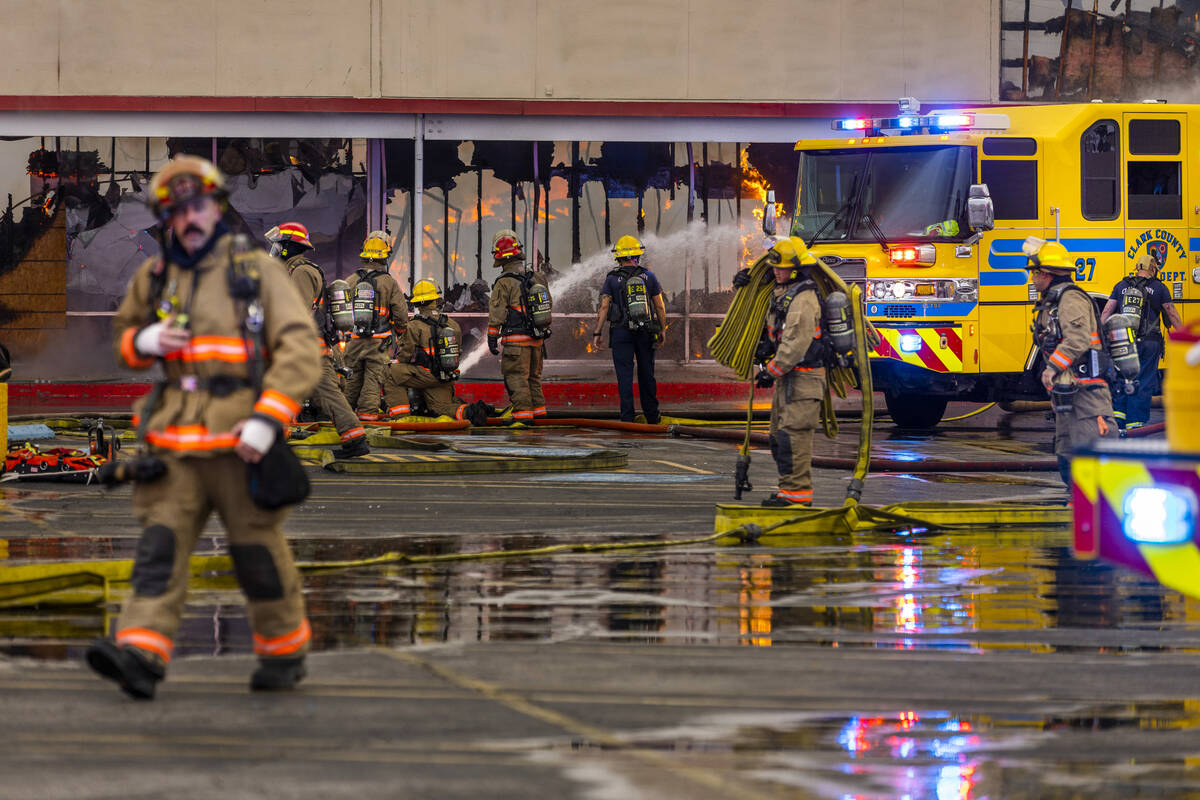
(908, 192)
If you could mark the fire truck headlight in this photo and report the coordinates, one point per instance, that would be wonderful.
(1155, 515)
(910, 342)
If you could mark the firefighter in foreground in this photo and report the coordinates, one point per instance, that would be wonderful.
(631, 302)
(519, 316)
(238, 347)
(1145, 300)
(380, 316)
(427, 363)
(793, 360)
(290, 242)
(1067, 331)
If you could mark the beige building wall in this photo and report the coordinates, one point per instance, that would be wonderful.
(637, 50)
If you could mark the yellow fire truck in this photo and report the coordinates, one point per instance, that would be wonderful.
(902, 205)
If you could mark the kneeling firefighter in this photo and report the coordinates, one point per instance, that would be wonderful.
(793, 357)
(380, 315)
(238, 349)
(519, 317)
(290, 242)
(1067, 331)
(427, 362)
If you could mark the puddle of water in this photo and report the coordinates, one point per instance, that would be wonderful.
(977, 592)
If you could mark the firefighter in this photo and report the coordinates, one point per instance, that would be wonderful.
(1067, 331)
(1145, 299)
(794, 363)
(519, 317)
(238, 349)
(632, 303)
(290, 242)
(380, 315)
(427, 362)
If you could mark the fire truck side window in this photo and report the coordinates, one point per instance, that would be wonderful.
(1012, 184)
(1155, 187)
(1100, 166)
(1154, 190)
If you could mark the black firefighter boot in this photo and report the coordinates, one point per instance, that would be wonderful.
(353, 448)
(277, 674)
(136, 674)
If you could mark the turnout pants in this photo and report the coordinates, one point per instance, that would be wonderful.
(1134, 409)
(173, 511)
(368, 362)
(438, 396)
(626, 346)
(329, 400)
(795, 414)
(521, 367)
(1090, 418)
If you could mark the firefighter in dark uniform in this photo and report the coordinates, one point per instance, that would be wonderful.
(1067, 331)
(427, 362)
(631, 302)
(793, 362)
(367, 351)
(290, 242)
(1143, 297)
(509, 323)
(239, 351)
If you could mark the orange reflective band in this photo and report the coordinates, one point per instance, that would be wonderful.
(130, 353)
(383, 335)
(539, 411)
(775, 369)
(283, 645)
(229, 349)
(1059, 360)
(458, 412)
(190, 438)
(520, 339)
(368, 417)
(493, 330)
(354, 433)
(796, 496)
(277, 405)
(400, 409)
(1095, 338)
(523, 414)
(146, 639)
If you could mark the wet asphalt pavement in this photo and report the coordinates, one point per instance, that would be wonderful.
(878, 665)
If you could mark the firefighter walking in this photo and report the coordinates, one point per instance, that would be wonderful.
(519, 317)
(427, 362)
(791, 352)
(1067, 331)
(1147, 302)
(290, 242)
(238, 348)
(380, 315)
(631, 302)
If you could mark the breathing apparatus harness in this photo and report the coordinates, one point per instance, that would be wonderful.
(365, 328)
(320, 305)
(632, 309)
(442, 363)
(533, 318)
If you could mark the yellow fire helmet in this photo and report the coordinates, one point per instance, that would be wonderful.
(506, 244)
(426, 291)
(628, 247)
(183, 179)
(376, 247)
(1046, 255)
(790, 252)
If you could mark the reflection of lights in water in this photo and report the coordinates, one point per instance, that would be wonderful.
(903, 739)
(754, 613)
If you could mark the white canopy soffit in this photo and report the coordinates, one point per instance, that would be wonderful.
(316, 125)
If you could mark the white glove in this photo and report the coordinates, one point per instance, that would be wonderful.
(1192, 357)
(160, 338)
(258, 434)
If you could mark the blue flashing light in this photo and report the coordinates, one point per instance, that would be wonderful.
(910, 342)
(909, 122)
(1154, 515)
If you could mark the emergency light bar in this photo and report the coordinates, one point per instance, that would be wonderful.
(937, 121)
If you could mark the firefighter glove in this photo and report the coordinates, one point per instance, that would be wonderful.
(764, 379)
(494, 345)
(741, 278)
(160, 338)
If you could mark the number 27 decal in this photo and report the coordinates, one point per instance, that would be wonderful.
(1085, 268)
